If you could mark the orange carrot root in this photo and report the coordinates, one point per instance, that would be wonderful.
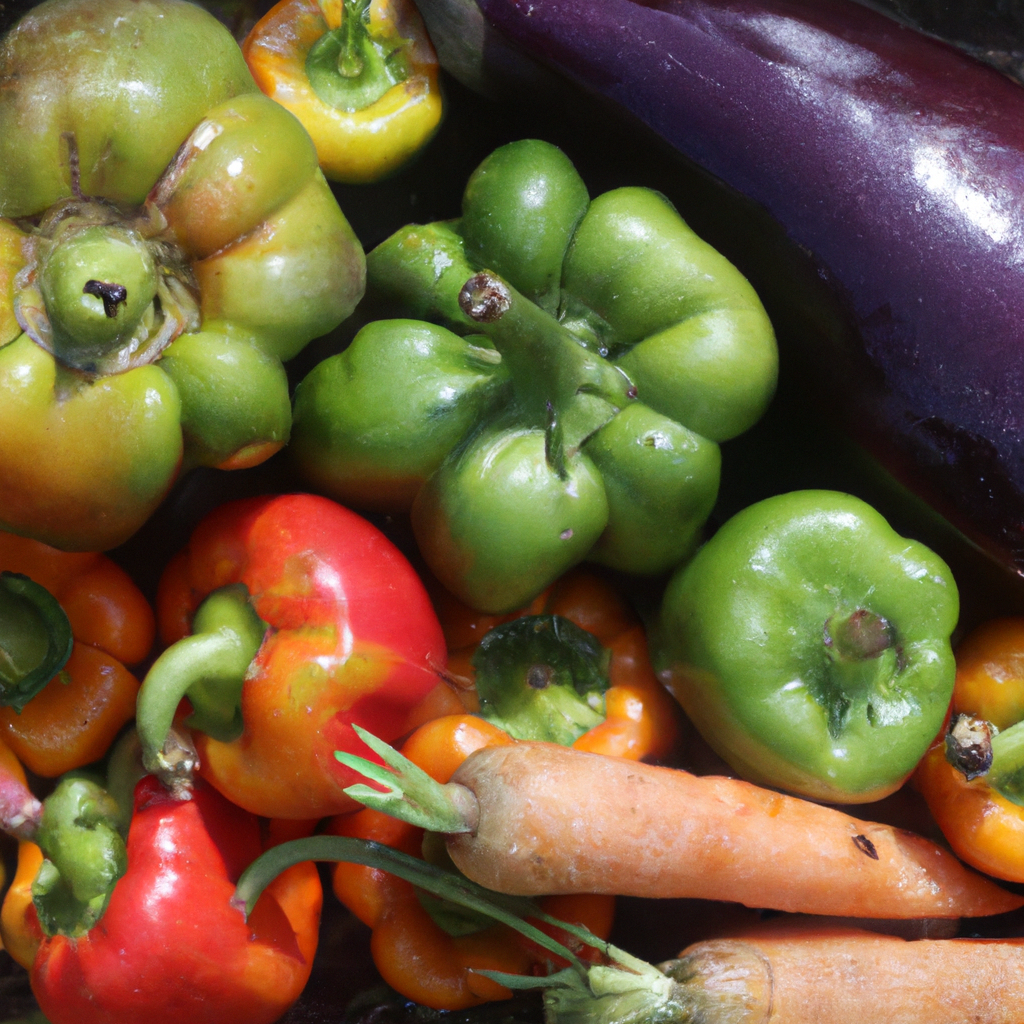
(851, 976)
(557, 820)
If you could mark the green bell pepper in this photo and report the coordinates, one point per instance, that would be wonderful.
(166, 241)
(565, 401)
(809, 644)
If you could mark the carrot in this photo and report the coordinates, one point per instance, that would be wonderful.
(537, 818)
(793, 973)
(851, 976)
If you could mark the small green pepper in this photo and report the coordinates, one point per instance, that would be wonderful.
(167, 240)
(809, 644)
(584, 358)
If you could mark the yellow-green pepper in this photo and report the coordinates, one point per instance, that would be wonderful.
(166, 241)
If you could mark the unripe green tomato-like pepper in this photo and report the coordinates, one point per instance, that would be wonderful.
(167, 240)
(809, 644)
(584, 360)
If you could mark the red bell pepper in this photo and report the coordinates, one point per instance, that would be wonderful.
(147, 932)
(303, 619)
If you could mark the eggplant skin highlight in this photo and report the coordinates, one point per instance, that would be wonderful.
(891, 160)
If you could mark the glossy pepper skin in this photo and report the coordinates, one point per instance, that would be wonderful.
(973, 788)
(346, 635)
(809, 644)
(74, 718)
(361, 76)
(564, 401)
(166, 241)
(170, 945)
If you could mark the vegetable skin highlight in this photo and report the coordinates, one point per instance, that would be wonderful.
(878, 172)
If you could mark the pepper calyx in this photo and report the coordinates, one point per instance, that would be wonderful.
(351, 67)
(542, 677)
(35, 639)
(100, 290)
(863, 661)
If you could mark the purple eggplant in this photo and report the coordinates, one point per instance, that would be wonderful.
(892, 160)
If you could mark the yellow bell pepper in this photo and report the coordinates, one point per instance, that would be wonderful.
(361, 76)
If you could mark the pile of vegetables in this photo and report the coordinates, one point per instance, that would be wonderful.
(463, 606)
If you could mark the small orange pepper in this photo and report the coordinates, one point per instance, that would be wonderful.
(361, 76)
(19, 926)
(73, 720)
(415, 954)
(640, 717)
(983, 826)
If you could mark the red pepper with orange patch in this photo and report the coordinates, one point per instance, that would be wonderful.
(290, 619)
(144, 929)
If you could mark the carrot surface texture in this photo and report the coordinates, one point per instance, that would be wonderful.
(536, 818)
(770, 975)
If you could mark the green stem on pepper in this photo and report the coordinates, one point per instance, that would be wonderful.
(542, 677)
(209, 668)
(350, 69)
(35, 639)
(560, 384)
(99, 293)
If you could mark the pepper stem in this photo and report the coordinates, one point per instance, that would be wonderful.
(563, 387)
(542, 677)
(863, 657)
(350, 69)
(976, 749)
(35, 639)
(409, 794)
(209, 668)
(859, 636)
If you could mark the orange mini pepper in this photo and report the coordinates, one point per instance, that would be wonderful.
(640, 718)
(970, 778)
(361, 76)
(432, 958)
(74, 718)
